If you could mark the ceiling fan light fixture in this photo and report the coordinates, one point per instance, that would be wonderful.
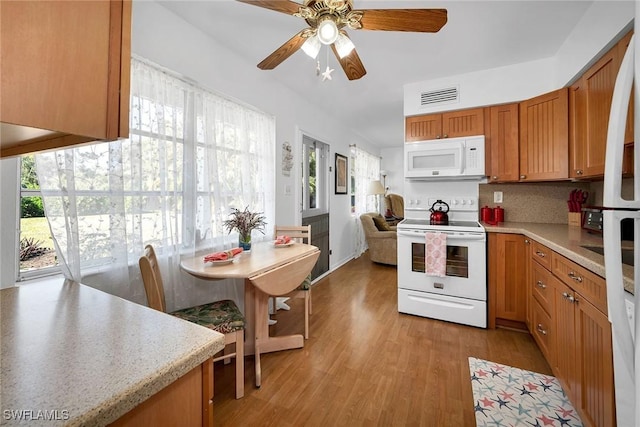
(327, 30)
(312, 46)
(343, 45)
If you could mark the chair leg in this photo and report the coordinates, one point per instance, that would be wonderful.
(307, 309)
(309, 293)
(239, 364)
(226, 351)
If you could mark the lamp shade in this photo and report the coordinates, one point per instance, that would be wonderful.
(375, 188)
(312, 47)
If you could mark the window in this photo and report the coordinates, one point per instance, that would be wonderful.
(315, 182)
(37, 254)
(191, 156)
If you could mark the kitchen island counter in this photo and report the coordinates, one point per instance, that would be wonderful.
(567, 241)
(74, 355)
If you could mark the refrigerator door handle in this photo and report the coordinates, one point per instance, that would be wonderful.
(615, 137)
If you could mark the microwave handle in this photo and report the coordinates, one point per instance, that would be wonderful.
(461, 149)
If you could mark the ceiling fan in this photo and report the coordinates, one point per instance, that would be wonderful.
(327, 21)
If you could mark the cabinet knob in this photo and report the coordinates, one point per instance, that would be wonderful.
(541, 329)
(540, 254)
(446, 136)
(523, 176)
(437, 136)
(494, 177)
(579, 172)
(540, 284)
(526, 241)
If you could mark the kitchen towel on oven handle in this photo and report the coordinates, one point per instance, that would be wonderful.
(435, 251)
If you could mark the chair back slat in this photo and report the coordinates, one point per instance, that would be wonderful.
(153, 285)
(299, 233)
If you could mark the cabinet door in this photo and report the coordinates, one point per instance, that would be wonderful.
(577, 128)
(463, 123)
(422, 128)
(544, 137)
(595, 397)
(599, 81)
(508, 278)
(502, 143)
(65, 69)
(564, 363)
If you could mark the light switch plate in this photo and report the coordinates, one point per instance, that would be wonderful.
(497, 197)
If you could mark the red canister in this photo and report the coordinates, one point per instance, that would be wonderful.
(498, 214)
(486, 214)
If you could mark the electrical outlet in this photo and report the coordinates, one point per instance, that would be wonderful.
(497, 197)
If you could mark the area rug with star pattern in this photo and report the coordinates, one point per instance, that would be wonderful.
(508, 396)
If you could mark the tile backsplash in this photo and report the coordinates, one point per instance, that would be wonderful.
(542, 202)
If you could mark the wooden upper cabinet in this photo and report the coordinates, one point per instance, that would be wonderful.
(502, 157)
(446, 125)
(65, 73)
(463, 123)
(544, 137)
(423, 128)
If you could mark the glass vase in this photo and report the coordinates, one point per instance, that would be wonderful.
(244, 242)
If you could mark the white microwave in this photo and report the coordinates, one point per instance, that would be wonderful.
(445, 158)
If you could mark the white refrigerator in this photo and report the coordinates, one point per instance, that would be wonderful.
(626, 349)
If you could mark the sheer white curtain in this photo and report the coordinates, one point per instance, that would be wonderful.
(366, 169)
(192, 155)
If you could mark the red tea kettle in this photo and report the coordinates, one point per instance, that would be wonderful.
(439, 217)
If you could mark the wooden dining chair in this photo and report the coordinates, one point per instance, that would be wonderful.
(300, 234)
(221, 316)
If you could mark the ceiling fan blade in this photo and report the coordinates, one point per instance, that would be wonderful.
(283, 52)
(415, 20)
(284, 6)
(351, 64)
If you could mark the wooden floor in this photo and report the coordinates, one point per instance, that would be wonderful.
(367, 364)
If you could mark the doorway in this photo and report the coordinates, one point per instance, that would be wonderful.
(315, 198)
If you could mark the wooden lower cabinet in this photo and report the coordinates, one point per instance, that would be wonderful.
(186, 402)
(508, 266)
(573, 333)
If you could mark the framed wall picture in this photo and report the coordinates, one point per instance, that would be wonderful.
(341, 174)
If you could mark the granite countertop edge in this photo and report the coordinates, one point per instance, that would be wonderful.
(111, 410)
(567, 241)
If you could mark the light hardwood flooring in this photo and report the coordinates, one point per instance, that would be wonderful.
(365, 363)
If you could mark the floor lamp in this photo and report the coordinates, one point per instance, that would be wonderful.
(376, 189)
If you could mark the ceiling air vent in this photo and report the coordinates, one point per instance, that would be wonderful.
(440, 96)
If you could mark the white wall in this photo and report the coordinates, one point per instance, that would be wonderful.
(162, 37)
(603, 22)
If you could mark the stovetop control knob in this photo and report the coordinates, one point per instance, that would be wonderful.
(463, 202)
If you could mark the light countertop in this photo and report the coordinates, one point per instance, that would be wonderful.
(567, 241)
(88, 355)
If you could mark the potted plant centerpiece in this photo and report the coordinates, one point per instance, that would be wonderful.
(245, 222)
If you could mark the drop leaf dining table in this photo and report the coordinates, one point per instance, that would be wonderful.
(267, 270)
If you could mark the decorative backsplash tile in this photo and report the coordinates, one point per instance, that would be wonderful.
(543, 202)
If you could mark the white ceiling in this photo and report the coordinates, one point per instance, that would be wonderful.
(478, 35)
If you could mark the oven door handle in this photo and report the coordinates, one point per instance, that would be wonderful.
(474, 236)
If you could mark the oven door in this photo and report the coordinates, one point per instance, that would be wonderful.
(466, 265)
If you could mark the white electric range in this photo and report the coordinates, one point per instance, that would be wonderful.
(461, 295)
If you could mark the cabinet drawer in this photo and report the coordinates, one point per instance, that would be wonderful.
(542, 284)
(541, 254)
(588, 284)
(543, 331)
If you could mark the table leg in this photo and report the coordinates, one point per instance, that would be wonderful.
(249, 315)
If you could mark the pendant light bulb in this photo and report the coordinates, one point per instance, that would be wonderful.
(327, 31)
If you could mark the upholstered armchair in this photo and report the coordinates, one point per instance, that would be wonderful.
(381, 239)
(395, 205)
